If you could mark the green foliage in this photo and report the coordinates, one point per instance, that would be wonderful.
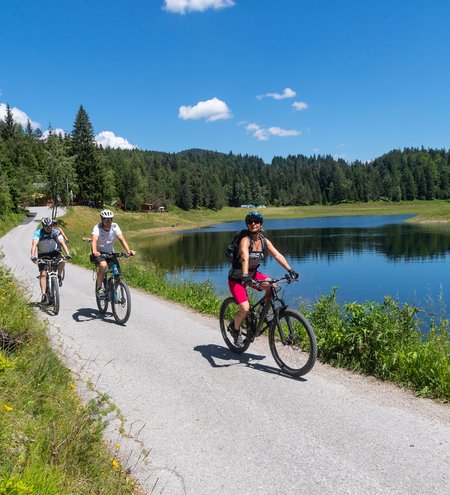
(15, 486)
(61, 172)
(88, 166)
(196, 179)
(50, 443)
(384, 340)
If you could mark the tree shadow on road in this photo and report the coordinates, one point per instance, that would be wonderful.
(214, 352)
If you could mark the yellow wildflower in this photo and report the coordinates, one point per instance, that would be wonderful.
(7, 408)
(117, 446)
(72, 385)
(116, 464)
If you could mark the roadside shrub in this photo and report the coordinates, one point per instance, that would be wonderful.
(384, 340)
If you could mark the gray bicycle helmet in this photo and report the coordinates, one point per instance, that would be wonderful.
(106, 214)
(47, 222)
(254, 215)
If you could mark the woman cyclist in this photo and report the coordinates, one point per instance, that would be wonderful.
(251, 251)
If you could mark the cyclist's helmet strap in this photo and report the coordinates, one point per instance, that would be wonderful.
(47, 222)
(106, 214)
(254, 215)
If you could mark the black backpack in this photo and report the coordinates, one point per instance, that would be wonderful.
(232, 251)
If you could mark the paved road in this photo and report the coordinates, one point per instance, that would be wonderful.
(216, 423)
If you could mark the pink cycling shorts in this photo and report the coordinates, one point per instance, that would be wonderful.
(239, 292)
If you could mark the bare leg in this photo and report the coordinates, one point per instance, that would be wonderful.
(43, 281)
(244, 308)
(101, 273)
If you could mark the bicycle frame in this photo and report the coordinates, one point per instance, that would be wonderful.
(51, 265)
(267, 303)
(116, 289)
(113, 272)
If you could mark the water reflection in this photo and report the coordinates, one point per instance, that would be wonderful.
(366, 257)
(204, 249)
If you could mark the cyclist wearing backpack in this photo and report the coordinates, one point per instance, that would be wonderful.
(47, 241)
(252, 247)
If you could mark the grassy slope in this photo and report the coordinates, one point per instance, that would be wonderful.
(50, 443)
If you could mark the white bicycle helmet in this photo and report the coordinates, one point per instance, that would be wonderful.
(47, 222)
(106, 214)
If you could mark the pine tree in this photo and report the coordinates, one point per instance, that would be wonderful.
(8, 127)
(60, 172)
(88, 166)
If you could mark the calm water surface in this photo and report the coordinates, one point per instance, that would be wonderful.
(367, 258)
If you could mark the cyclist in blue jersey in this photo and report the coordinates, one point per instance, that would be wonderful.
(47, 241)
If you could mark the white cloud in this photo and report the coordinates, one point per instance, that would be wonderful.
(59, 132)
(210, 110)
(263, 134)
(19, 116)
(183, 6)
(109, 140)
(287, 93)
(300, 105)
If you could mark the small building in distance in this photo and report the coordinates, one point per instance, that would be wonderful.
(152, 207)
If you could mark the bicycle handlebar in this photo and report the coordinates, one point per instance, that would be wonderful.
(272, 281)
(47, 259)
(115, 255)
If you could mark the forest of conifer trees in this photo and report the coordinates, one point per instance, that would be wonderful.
(73, 168)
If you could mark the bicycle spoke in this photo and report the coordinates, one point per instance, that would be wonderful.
(227, 314)
(121, 303)
(293, 343)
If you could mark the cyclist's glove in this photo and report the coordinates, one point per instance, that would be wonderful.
(293, 275)
(68, 256)
(246, 280)
(33, 259)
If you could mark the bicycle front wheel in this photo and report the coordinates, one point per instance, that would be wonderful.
(228, 312)
(121, 302)
(55, 294)
(293, 343)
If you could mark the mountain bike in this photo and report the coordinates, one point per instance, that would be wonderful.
(292, 340)
(52, 290)
(116, 290)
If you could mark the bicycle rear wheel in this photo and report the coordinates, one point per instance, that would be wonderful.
(121, 302)
(293, 343)
(54, 291)
(228, 312)
(102, 302)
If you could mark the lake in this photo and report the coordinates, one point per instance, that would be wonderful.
(366, 257)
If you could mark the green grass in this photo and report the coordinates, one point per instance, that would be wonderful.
(50, 443)
(9, 221)
(384, 340)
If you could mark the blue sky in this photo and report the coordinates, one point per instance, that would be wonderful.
(352, 79)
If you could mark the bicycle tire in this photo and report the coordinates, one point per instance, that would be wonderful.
(121, 302)
(293, 343)
(102, 304)
(228, 312)
(55, 294)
